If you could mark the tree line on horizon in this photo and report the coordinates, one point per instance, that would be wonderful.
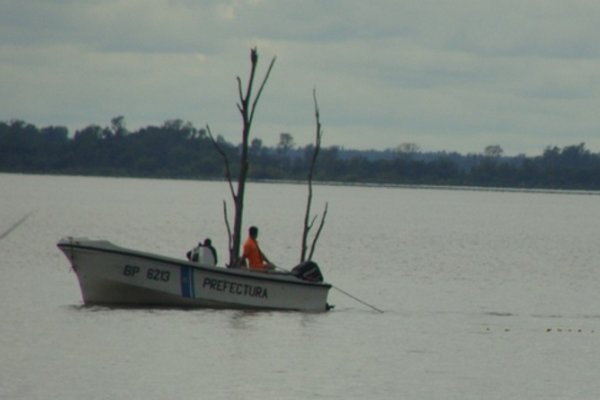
(177, 149)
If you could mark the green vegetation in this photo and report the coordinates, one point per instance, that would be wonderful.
(178, 150)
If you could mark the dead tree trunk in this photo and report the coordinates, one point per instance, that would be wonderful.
(308, 225)
(247, 107)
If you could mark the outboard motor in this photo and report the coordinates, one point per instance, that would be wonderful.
(308, 271)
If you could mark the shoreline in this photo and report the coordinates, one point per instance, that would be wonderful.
(346, 184)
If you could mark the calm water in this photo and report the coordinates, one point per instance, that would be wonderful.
(487, 295)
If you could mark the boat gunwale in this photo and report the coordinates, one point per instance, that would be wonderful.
(247, 274)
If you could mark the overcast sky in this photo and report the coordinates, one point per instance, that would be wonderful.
(447, 75)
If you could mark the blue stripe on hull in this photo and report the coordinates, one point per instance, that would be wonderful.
(187, 282)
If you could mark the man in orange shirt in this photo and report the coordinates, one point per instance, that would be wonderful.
(256, 259)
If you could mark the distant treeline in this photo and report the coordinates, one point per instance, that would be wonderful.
(178, 150)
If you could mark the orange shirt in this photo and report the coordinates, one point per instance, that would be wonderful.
(252, 254)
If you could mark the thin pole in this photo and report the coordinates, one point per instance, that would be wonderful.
(357, 299)
(15, 226)
(343, 292)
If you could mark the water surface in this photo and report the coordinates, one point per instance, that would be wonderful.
(487, 295)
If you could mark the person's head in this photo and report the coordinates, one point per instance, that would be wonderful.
(207, 242)
(253, 232)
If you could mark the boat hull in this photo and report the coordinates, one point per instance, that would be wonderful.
(112, 275)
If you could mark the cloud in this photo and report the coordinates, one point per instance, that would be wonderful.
(446, 75)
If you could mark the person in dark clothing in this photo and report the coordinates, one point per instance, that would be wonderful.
(209, 246)
(204, 253)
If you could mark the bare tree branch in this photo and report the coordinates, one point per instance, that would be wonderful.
(231, 188)
(312, 222)
(253, 63)
(225, 158)
(225, 216)
(318, 135)
(240, 93)
(262, 85)
(308, 226)
(314, 243)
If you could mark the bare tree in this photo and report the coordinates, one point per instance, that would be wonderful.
(308, 225)
(407, 149)
(493, 150)
(286, 142)
(246, 106)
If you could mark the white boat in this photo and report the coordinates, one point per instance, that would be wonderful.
(113, 275)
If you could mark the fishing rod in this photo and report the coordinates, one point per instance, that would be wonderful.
(341, 291)
(15, 226)
(357, 299)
